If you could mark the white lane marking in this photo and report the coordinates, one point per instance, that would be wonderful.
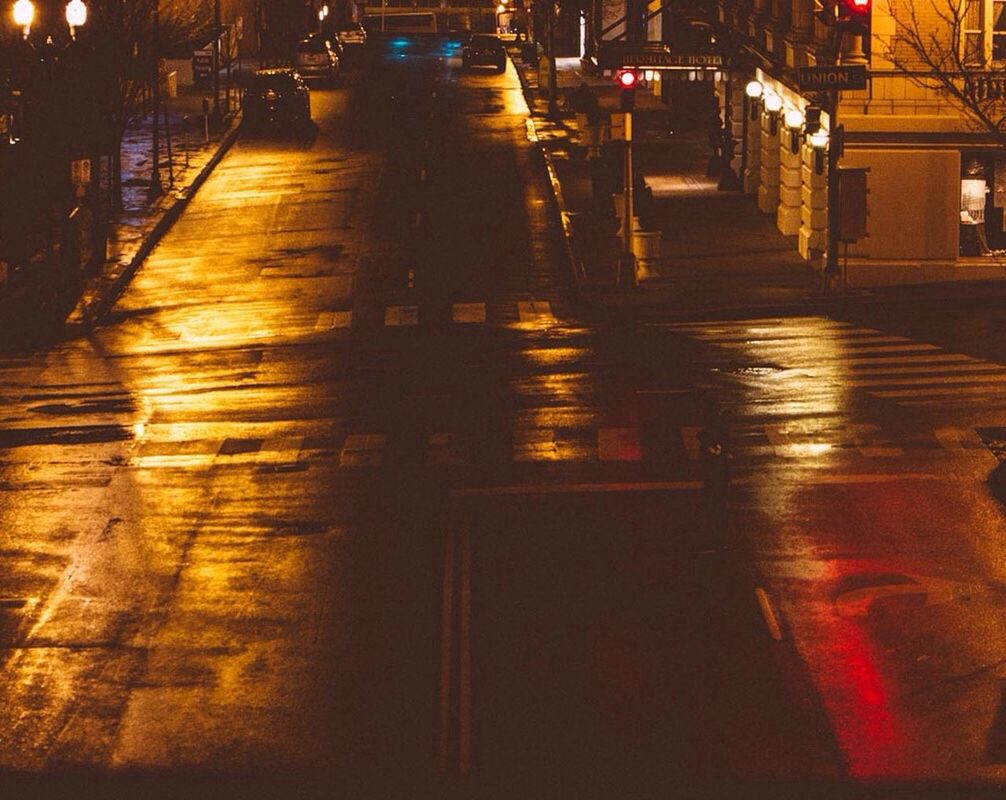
(664, 391)
(445, 449)
(281, 450)
(446, 649)
(936, 359)
(465, 657)
(755, 323)
(363, 450)
(826, 479)
(929, 380)
(535, 311)
(342, 319)
(577, 488)
(924, 391)
(401, 315)
(324, 322)
(768, 614)
(969, 366)
(862, 434)
(618, 444)
(468, 312)
(843, 339)
(690, 439)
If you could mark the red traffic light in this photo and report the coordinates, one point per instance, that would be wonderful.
(859, 6)
(627, 79)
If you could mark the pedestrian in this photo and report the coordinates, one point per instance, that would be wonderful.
(584, 101)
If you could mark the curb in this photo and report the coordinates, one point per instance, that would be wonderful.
(101, 305)
(577, 268)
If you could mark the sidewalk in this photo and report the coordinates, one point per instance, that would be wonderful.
(135, 230)
(718, 252)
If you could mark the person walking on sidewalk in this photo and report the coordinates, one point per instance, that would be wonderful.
(584, 101)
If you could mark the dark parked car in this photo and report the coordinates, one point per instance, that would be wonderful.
(317, 57)
(276, 98)
(483, 50)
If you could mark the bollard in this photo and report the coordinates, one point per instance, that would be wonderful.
(206, 119)
(185, 139)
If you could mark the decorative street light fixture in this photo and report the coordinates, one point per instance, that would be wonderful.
(24, 13)
(819, 141)
(794, 122)
(76, 16)
(773, 105)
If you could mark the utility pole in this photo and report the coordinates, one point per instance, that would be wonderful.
(216, 60)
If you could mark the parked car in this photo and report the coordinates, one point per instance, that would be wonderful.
(352, 34)
(483, 50)
(276, 98)
(316, 57)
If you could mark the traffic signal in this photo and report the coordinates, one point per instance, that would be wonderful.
(627, 83)
(843, 12)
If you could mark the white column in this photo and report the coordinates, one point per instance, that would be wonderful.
(813, 207)
(768, 184)
(790, 185)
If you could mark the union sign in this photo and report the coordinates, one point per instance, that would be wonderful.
(832, 78)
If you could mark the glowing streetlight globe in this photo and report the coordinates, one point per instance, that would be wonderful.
(773, 103)
(24, 13)
(76, 13)
(819, 139)
(754, 89)
(794, 118)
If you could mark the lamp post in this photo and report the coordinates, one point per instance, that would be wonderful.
(76, 16)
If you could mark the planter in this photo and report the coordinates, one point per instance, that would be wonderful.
(646, 245)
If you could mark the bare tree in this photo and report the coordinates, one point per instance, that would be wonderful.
(933, 45)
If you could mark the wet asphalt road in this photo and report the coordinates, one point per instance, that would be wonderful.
(346, 488)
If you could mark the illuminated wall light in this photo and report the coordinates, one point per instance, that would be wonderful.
(794, 122)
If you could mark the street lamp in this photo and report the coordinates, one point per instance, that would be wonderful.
(24, 13)
(794, 123)
(819, 141)
(76, 15)
(752, 92)
(773, 105)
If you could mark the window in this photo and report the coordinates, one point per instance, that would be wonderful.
(983, 31)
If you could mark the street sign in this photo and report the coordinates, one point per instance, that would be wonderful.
(80, 171)
(832, 78)
(202, 64)
(652, 55)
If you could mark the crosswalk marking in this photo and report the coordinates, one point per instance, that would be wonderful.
(401, 315)
(618, 444)
(363, 450)
(884, 366)
(327, 320)
(535, 311)
(468, 312)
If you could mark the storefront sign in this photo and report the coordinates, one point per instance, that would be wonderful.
(832, 78)
(202, 64)
(611, 58)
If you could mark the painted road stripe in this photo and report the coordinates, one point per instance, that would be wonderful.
(826, 479)
(768, 614)
(753, 323)
(941, 392)
(576, 488)
(401, 315)
(932, 369)
(788, 341)
(929, 380)
(363, 450)
(535, 311)
(957, 438)
(618, 444)
(468, 312)
(922, 358)
(342, 319)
